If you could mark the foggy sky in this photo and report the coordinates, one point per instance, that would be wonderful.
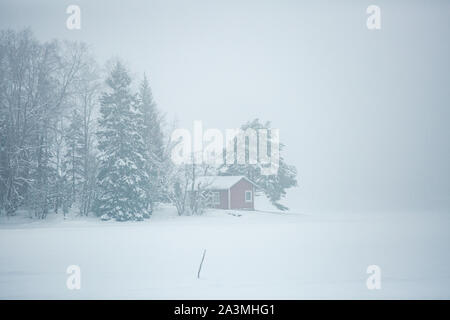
(364, 114)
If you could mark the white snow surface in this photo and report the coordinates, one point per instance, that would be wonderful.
(257, 255)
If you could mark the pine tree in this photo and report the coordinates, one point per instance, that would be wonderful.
(153, 140)
(122, 177)
(273, 186)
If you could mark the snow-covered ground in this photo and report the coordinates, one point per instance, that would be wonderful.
(258, 255)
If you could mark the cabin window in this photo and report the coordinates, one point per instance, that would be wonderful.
(216, 197)
(248, 196)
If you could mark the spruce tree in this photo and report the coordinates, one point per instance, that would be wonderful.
(122, 177)
(153, 140)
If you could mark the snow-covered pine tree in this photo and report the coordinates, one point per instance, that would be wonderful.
(122, 177)
(153, 140)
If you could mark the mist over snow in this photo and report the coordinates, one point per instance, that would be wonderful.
(86, 176)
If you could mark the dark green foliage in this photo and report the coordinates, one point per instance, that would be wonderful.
(122, 178)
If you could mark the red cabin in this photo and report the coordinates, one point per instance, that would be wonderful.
(229, 192)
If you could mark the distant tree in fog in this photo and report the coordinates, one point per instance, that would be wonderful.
(37, 82)
(273, 186)
(154, 143)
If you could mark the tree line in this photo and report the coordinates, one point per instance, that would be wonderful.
(75, 136)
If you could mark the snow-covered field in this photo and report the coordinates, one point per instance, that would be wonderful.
(259, 255)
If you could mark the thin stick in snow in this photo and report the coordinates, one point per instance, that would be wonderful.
(201, 263)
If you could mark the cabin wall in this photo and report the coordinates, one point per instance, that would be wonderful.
(238, 195)
(223, 199)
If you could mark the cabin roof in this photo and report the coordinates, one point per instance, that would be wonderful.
(219, 182)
